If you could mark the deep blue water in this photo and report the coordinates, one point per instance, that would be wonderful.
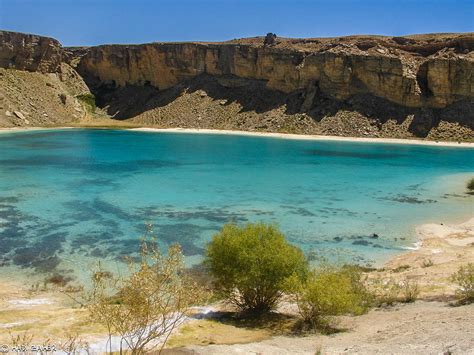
(71, 197)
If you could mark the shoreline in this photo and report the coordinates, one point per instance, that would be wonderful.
(290, 136)
(311, 137)
(453, 234)
(446, 247)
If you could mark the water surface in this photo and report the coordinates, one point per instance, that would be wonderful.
(71, 197)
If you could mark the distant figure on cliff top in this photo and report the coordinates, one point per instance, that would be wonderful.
(270, 39)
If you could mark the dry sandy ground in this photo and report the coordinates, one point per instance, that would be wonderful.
(417, 328)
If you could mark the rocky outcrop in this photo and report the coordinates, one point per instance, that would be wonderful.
(37, 88)
(401, 73)
(29, 52)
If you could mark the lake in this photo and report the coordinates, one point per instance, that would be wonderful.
(69, 198)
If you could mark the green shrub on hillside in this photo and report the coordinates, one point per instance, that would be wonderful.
(251, 265)
(88, 100)
(464, 278)
(331, 291)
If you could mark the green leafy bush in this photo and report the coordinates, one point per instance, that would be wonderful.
(88, 100)
(332, 291)
(251, 265)
(464, 278)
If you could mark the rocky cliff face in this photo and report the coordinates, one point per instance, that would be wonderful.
(433, 73)
(36, 87)
(414, 86)
(29, 52)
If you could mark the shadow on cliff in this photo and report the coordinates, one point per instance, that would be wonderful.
(253, 95)
(417, 121)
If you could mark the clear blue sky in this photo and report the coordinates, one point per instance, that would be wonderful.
(89, 22)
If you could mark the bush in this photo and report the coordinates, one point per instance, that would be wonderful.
(251, 265)
(464, 278)
(147, 303)
(470, 185)
(386, 292)
(88, 100)
(330, 292)
(410, 291)
(427, 263)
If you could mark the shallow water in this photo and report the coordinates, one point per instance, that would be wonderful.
(70, 197)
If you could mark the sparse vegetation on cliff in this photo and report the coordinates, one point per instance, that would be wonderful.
(251, 265)
(88, 100)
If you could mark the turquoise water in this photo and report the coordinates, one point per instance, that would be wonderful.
(71, 197)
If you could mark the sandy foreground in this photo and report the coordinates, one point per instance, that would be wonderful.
(254, 134)
(430, 325)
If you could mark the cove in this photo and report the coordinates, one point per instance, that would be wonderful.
(71, 197)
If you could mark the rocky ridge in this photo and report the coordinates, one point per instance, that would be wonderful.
(413, 86)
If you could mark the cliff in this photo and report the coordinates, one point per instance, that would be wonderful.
(29, 52)
(37, 88)
(413, 86)
(421, 73)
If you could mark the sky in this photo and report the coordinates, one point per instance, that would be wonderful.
(89, 22)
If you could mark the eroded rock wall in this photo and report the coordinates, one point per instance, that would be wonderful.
(340, 72)
(37, 88)
(29, 52)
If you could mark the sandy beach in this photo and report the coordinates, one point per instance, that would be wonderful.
(306, 137)
(255, 134)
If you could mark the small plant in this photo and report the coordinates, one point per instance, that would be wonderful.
(464, 278)
(386, 292)
(58, 280)
(470, 185)
(21, 340)
(401, 268)
(331, 291)
(427, 263)
(88, 100)
(74, 345)
(251, 265)
(410, 291)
